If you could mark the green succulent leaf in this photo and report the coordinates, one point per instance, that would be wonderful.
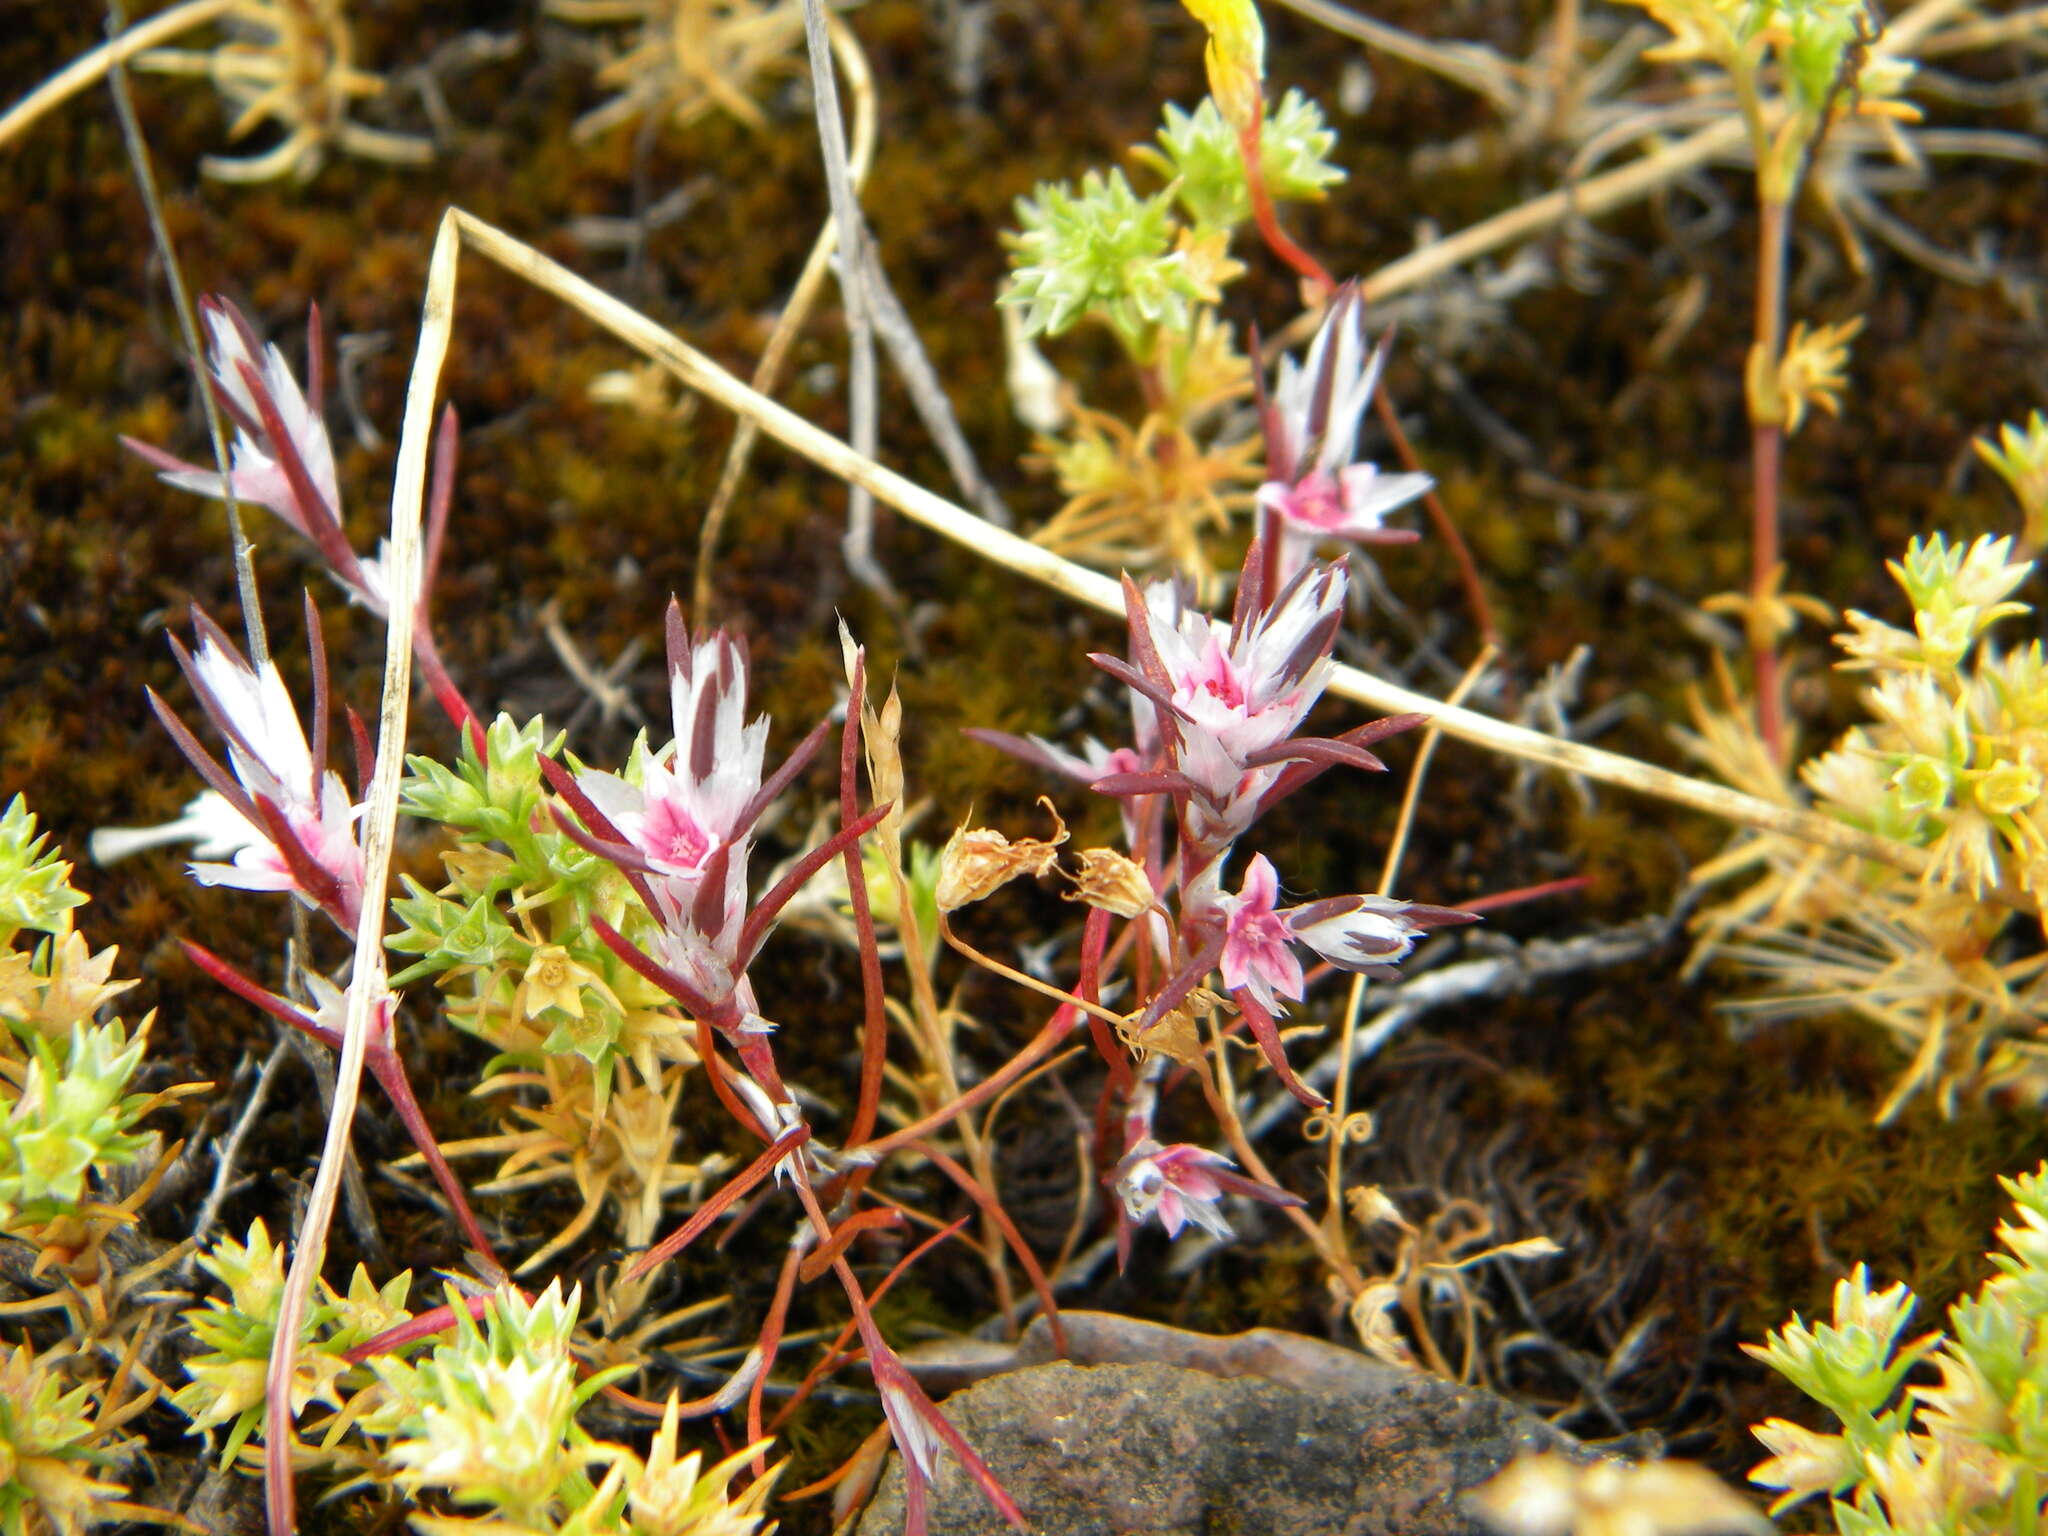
(1104, 251)
(35, 883)
(1198, 153)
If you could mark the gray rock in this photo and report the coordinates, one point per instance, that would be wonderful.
(1213, 1444)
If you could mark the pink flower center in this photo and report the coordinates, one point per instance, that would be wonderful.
(673, 837)
(1259, 938)
(1217, 678)
(1317, 499)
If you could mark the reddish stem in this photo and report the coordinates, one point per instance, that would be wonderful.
(413, 1329)
(873, 1219)
(715, 1070)
(1042, 1045)
(1277, 239)
(1495, 900)
(992, 1208)
(1468, 569)
(389, 1070)
(892, 1377)
(771, 1343)
(427, 655)
(718, 1204)
(384, 1064)
(835, 1356)
(1094, 937)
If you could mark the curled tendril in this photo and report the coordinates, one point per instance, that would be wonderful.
(1354, 1129)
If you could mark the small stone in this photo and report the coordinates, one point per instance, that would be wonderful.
(1159, 1449)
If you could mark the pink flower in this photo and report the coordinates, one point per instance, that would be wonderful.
(1345, 505)
(680, 807)
(287, 821)
(1237, 696)
(1314, 490)
(247, 377)
(1178, 1184)
(1258, 950)
(1365, 933)
(281, 457)
(1355, 933)
(267, 751)
(680, 823)
(326, 829)
(1248, 687)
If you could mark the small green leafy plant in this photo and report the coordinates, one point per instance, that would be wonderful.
(75, 1168)
(1966, 1456)
(1152, 268)
(475, 1403)
(1952, 762)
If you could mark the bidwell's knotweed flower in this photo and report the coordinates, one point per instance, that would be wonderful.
(287, 823)
(1251, 940)
(1315, 488)
(282, 457)
(1182, 1184)
(298, 821)
(680, 805)
(1177, 1184)
(679, 826)
(683, 817)
(1224, 707)
(1368, 934)
(1228, 702)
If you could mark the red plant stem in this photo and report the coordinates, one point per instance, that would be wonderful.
(427, 656)
(715, 1070)
(874, 1219)
(718, 1204)
(992, 1208)
(1493, 901)
(412, 1330)
(1042, 1045)
(691, 1408)
(1468, 569)
(835, 1355)
(1094, 936)
(1277, 239)
(891, 1376)
(771, 1333)
(386, 1066)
